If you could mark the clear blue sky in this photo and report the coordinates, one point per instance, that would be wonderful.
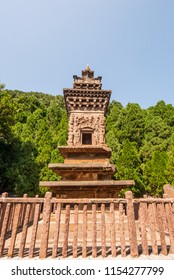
(130, 43)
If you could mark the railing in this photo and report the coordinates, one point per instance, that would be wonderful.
(42, 227)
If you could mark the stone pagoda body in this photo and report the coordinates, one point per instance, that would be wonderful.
(86, 171)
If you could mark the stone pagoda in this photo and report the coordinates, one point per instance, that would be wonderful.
(86, 171)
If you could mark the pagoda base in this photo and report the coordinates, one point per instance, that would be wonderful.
(87, 189)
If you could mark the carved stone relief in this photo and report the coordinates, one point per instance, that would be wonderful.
(81, 121)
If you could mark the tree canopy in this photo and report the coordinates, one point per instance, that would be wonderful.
(34, 124)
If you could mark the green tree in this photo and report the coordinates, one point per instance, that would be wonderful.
(170, 162)
(155, 173)
(164, 111)
(130, 124)
(157, 134)
(2, 86)
(129, 167)
(6, 136)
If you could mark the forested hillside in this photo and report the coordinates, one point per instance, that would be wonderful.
(33, 124)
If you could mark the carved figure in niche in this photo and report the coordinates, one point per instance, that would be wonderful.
(102, 136)
(102, 121)
(91, 120)
(77, 137)
(98, 138)
(76, 120)
(70, 139)
(96, 142)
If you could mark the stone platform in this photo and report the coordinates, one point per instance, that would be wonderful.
(87, 189)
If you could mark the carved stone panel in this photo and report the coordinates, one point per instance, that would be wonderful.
(80, 123)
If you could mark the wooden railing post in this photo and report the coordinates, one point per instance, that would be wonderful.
(23, 210)
(112, 224)
(131, 225)
(160, 221)
(170, 222)
(34, 229)
(103, 230)
(46, 225)
(14, 229)
(143, 224)
(66, 232)
(4, 228)
(75, 231)
(2, 210)
(94, 231)
(152, 224)
(57, 229)
(122, 230)
(84, 232)
(24, 230)
(33, 209)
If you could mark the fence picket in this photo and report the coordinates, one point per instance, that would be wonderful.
(170, 221)
(66, 232)
(152, 224)
(57, 229)
(122, 230)
(34, 230)
(14, 229)
(160, 221)
(1, 204)
(94, 232)
(103, 230)
(4, 228)
(143, 222)
(23, 210)
(12, 210)
(24, 230)
(112, 228)
(84, 232)
(2, 212)
(46, 225)
(131, 225)
(75, 231)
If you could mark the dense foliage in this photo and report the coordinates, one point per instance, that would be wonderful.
(33, 124)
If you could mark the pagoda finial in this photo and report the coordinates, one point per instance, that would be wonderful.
(87, 67)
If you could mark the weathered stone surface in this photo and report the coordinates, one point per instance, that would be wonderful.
(87, 227)
(152, 224)
(113, 232)
(24, 231)
(103, 230)
(84, 230)
(94, 232)
(122, 230)
(169, 190)
(80, 123)
(46, 225)
(57, 230)
(75, 231)
(143, 224)
(66, 232)
(131, 225)
(14, 229)
(34, 229)
(5, 221)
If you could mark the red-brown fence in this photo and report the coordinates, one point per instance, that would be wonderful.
(42, 227)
